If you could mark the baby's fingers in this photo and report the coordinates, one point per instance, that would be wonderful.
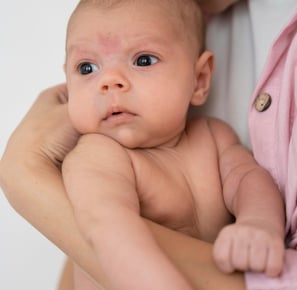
(258, 256)
(222, 252)
(275, 260)
(266, 255)
(246, 248)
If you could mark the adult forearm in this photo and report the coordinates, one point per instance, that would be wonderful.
(40, 198)
(53, 216)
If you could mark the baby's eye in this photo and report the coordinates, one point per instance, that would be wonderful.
(86, 68)
(145, 60)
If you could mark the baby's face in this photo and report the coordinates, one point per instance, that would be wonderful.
(130, 72)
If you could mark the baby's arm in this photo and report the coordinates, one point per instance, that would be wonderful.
(256, 241)
(100, 182)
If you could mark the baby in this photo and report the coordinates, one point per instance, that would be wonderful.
(133, 68)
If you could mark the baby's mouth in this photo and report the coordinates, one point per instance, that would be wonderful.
(116, 113)
(113, 114)
(119, 114)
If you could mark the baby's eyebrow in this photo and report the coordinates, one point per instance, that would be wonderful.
(76, 50)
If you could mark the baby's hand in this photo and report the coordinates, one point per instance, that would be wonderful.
(249, 246)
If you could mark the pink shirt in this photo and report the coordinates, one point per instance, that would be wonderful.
(274, 142)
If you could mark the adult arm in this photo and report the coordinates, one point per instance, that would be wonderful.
(35, 152)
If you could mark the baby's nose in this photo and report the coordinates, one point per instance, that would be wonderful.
(113, 80)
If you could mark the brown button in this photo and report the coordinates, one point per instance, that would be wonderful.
(263, 102)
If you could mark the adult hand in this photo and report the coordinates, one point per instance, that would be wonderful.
(53, 136)
(44, 136)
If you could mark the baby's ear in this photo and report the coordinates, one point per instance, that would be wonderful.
(204, 70)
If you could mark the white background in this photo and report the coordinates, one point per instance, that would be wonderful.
(32, 37)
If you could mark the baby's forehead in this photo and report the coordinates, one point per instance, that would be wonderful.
(179, 10)
(183, 16)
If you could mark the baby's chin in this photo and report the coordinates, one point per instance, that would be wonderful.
(130, 141)
(133, 144)
(146, 144)
(136, 139)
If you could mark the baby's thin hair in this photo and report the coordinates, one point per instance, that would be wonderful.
(103, 3)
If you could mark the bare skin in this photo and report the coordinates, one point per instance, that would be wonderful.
(66, 281)
(139, 157)
(166, 176)
(45, 151)
(52, 213)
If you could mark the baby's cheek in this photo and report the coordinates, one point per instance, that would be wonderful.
(78, 117)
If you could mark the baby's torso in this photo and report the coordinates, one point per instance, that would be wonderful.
(180, 188)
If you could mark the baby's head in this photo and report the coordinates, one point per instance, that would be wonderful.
(134, 66)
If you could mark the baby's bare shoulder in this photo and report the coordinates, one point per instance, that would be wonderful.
(212, 129)
(208, 124)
